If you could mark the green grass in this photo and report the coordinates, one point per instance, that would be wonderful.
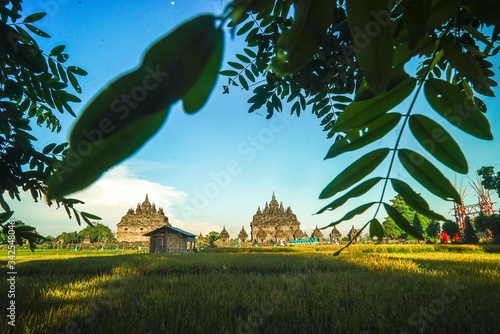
(368, 289)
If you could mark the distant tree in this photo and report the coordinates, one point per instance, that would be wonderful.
(450, 228)
(470, 236)
(433, 230)
(97, 233)
(488, 224)
(212, 237)
(69, 237)
(48, 239)
(489, 179)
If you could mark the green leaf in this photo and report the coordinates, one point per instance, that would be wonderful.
(441, 12)
(77, 70)
(359, 210)
(355, 172)
(434, 138)
(69, 97)
(402, 222)
(359, 137)
(355, 192)
(369, 24)
(459, 110)
(87, 220)
(57, 50)
(37, 31)
(53, 67)
(34, 17)
(62, 73)
(59, 148)
(198, 95)
(297, 46)
(48, 148)
(487, 10)
(91, 216)
(243, 82)
(243, 58)
(359, 113)
(74, 82)
(246, 27)
(4, 216)
(468, 67)
(249, 75)
(415, 15)
(414, 200)
(376, 229)
(237, 66)
(228, 73)
(427, 175)
(77, 217)
(109, 129)
(250, 53)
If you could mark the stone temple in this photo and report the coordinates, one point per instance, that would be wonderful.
(144, 219)
(274, 223)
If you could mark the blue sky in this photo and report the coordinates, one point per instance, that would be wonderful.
(215, 167)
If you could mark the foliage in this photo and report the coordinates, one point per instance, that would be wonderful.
(393, 231)
(346, 59)
(433, 230)
(260, 290)
(25, 231)
(450, 228)
(97, 233)
(212, 237)
(489, 179)
(470, 236)
(488, 224)
(68, 237)
(33, 84)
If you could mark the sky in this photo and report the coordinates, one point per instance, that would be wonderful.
(213, 168)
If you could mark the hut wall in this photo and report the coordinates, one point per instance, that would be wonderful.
(168, 243)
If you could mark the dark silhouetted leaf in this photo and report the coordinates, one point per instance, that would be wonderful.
(376, 229)
(246, 27)
(228, 73)
(359, 113)
(37, 31)
(359, 210)
(373, 40)
(468, 67)
(77, 70)
(355, 192)
(355, 172)
(34, 17)
(434, 138)
(454, 105)
(414, 200)
(364, 135)
(297, 46)
(402, 222)
(48, 148)
(427, 175)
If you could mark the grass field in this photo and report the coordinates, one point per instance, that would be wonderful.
(368, 289)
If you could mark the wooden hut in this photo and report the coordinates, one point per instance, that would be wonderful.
(168, 239)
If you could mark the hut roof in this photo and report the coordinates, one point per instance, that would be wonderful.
(169, 229)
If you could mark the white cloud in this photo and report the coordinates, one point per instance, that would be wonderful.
(110, 198)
